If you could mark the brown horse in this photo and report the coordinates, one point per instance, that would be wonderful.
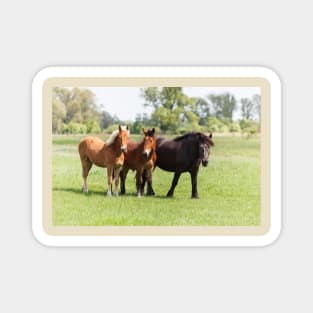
(140, 157)
(93, 150)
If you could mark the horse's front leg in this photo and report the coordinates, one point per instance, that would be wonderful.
(110, 178)
(174, 183)
(116, 179)
(139, 181)
(194, 177)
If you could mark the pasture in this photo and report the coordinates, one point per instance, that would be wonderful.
(229, 190)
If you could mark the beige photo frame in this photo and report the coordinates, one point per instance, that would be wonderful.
(48, 233)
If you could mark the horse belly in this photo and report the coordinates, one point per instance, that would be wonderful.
(97, 158)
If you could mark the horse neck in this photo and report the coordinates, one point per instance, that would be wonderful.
(116, 147)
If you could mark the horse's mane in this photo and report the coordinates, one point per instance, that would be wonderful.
(201, 136)
(113, 136)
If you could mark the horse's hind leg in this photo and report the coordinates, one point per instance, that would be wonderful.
(139, 181)
(86, 166)
(116, 175)
(174, 183)
(150, 191)
(110, 178)
(144, 179)
(123, 175)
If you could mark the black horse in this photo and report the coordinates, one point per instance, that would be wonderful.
(183, 154)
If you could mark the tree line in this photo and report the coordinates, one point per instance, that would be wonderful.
(75, 111)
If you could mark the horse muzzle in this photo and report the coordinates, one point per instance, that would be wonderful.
(146, 153)
(205, 163)
(124, 149)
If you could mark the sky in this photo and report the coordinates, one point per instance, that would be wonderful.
(126, 102)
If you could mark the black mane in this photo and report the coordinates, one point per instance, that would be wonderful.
(195, 135)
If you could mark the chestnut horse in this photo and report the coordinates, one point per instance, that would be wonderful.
(140, 157)
(93, 150)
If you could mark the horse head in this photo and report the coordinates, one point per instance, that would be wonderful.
(149, 142)
(205, 143)
(123, 133)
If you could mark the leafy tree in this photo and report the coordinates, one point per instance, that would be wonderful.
(256, 99)
(223, 105)
(58, 115)
(247, 108)
(106, 119)
(250, 108)
(79, 105)
(151, 97)
(171, 107)
(202, 109)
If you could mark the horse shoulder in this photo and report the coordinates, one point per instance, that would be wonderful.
(131, 156)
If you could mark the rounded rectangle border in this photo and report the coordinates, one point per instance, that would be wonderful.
(51, 235)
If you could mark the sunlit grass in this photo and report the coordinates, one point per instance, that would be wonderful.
(229, 190)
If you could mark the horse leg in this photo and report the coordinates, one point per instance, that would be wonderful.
(123, 174)
(139, 181)
(174, 183)
(86, 166)
(116, 179)
(144, 179)
(110, 178)
(150, 191)
(194, 176)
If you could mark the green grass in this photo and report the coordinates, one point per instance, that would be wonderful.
(229, 190)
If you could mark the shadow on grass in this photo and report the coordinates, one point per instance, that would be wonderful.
(103, 193)
(79, 191)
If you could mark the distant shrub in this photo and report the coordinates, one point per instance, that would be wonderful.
(136, 127)
(64, 129)
(111, 128)
(234, 127)
(76, 128)
(249, 127)
(93, 127)
(215, 125)
(182, 130)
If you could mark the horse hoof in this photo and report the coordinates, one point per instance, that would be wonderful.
(109, 194)
(169, 195)
(194, 197)
(116, 194)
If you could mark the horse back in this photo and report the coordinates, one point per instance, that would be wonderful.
(174, 156)
(94, 149)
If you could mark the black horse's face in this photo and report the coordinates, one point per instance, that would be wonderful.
(204, 152)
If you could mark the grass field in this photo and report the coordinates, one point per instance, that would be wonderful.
(229, 190)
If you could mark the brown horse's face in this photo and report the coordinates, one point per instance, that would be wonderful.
(149, 142)
(123, 137)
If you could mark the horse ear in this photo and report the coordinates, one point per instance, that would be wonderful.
(143, 130)
(210, 136)
(153, 130)
(126, 127)
(119, 127)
